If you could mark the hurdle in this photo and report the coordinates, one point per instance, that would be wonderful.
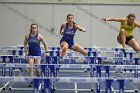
(13, 50)
(85, 66)
(63, 66)
(53, 64)
(47, 81)
(10, 59)
(99, 58)
(120, 81)
(54, 61)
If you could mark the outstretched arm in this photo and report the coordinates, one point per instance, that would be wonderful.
(80, 28)
(137, 24)
(114, 19)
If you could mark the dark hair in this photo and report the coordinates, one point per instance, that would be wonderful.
(131, 15)
(70, 15)
(31, 28)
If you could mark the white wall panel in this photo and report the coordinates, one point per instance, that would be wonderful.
(16, 19)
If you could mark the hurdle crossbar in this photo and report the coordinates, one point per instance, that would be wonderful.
(16, 65)
(67, 79)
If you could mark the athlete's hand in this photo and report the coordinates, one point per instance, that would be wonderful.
(26, 52)
(47, 54)
(62, 32)
(84, 30)
(104, 19)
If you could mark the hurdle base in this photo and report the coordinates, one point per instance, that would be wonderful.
(3, 88)
(82, 90)
(21, 89)
(125, 91)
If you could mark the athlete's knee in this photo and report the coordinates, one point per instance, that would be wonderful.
(38, 72)
(30, 69)
(86, 53)
(63, 43)
(66, 46)
(137, 50)
(122, 31)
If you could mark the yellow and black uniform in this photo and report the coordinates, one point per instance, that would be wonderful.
(128, 31)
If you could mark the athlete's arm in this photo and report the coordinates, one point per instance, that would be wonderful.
(62, 28)
(44, 42)
(80, 28)
(25, 44)
(137, 24)
(114, 19)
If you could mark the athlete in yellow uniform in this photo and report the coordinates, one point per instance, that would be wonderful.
(126, 31)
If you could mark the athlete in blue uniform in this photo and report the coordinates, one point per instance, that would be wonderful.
(33, 41)
(68, 30)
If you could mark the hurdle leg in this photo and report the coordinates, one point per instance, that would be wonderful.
(92, 71)
(99, 60)
(108, 86)
(4, 73)
(107, 74)
(121, 86)
(58, 53)
(53, 68)
(98, 87)
(3, 68)
(36, 83)
(136, 70)
(98, 73)
(11, 59)
(47, 88)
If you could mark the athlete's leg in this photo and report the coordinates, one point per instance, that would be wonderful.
(37, 61)
(79, 48)
(31, 73)
(31, 62)
(134, 44)
(64, 47)
(122, 38)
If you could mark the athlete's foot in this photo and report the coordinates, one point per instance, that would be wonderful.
(31, 84)
(60, 60)
(138, 52)
(123, 50)
(64, 51)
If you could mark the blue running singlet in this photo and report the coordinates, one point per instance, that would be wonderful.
(68, 35)
(34, 46)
